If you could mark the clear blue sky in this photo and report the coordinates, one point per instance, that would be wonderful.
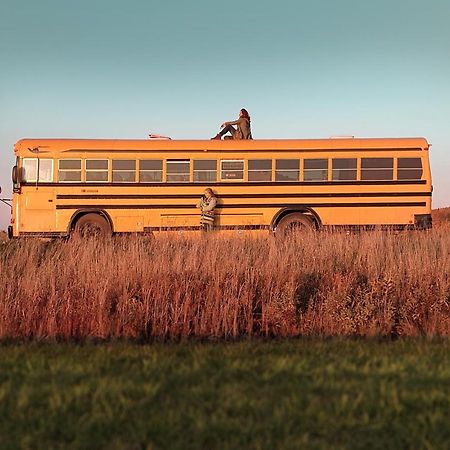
(108, 68)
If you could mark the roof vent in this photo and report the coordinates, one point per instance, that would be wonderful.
(342, 137)
(158, 136)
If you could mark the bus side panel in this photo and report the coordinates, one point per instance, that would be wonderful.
(36, 210)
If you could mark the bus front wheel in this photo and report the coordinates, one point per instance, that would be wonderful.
(293, 223)
(92, 225)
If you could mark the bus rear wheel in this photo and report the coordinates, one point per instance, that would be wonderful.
(92, 225)
(294, 223)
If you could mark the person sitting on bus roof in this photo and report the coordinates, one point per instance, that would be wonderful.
(242, 131)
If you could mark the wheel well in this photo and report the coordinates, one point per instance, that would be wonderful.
(301, 209)
(82, 212)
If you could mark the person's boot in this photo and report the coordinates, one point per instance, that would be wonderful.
(217, 136)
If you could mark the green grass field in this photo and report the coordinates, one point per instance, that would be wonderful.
(338, 393)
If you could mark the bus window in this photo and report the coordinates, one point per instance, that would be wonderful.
(150, 170)
(287, 169)
(232, 169)
(97, 170)
(377, 168)
(205, 170)
(29, 169)
(344, 169)
(178, 170)
(123, 171)
(30, 166)
(259, 170)
(315, 170)
(69, 170)
(409, 169)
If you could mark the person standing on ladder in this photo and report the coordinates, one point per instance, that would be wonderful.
(207, 205)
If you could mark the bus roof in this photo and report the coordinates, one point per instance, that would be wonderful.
(61, 145)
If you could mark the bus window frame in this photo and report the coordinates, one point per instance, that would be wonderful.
(303, 169)
(71, 170)
(194, 171)
(38, 170)
(178, 161)
(228, 180)
(265, 171)
(364, 171)
(404, 169)
(139, 170)
(287, 170)
(123, 170)
(344, 170)
(108, 170)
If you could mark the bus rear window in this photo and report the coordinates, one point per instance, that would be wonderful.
(409, 169)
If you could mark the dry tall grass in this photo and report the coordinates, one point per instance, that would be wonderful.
(441, 216)
(213, 286)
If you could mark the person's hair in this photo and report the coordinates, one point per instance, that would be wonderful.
(245, 114)
(209, 190)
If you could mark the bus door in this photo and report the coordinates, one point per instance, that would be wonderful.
(37, 197)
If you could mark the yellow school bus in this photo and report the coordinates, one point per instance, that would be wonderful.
(62, 186)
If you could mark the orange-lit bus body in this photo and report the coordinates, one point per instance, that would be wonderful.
(150, 185)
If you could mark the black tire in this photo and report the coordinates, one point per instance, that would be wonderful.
(295, 223)
(92, 225)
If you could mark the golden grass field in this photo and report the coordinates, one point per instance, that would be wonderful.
(60, 389)
(213, 286)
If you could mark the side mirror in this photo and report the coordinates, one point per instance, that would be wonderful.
(16, 178)
(15, 175)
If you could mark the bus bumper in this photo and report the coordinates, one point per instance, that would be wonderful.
(422, 221)
(10, 232)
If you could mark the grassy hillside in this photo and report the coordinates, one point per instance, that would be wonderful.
(441, 216)
(253, 395)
